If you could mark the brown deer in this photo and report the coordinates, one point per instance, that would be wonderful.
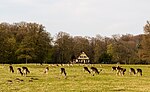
(120, 71)
(25, 70)
(46, 70)
(63, 71)
(132, 71)
(114, 68)
(86, 69)
(19, 71)
(139, 71)
(11, 69)
(95, 70)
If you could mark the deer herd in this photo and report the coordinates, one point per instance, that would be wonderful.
(121, 71)
(22, 71)
(92, 70)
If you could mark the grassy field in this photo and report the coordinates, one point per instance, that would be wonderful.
(77, 80)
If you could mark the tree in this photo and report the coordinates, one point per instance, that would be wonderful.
(24, 40)
(63, 48)
(7, 44)
(98, 44)
(26, 51)
(122, 49)
(145, 44)
(145, 51)
(105, 58)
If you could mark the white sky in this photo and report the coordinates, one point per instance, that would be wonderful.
(80, 17)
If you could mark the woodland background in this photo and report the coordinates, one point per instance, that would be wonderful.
(31, 43)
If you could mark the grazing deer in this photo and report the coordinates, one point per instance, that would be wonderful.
(63, 71)
(139, 71)
(86, 69)
(19, 71)
(94, 69)
(132, 71)
(114, 68)
(120, 71)
(46, 70)
(25, 71)
(11, 69)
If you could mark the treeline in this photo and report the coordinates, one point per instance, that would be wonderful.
(31, 43)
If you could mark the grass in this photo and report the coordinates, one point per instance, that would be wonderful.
(77, 80)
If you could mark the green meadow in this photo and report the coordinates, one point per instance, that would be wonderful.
(76, 81)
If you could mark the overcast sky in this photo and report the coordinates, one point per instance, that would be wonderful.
(80, 17)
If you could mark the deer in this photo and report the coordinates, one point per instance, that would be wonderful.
(19, 71)
(94, 69)
(25, 70)
(114, 68)
(86, 69)
(120, 71)
(132, 71)
(46, 70)
(11, 69)
(63, 71)
(139, 71)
